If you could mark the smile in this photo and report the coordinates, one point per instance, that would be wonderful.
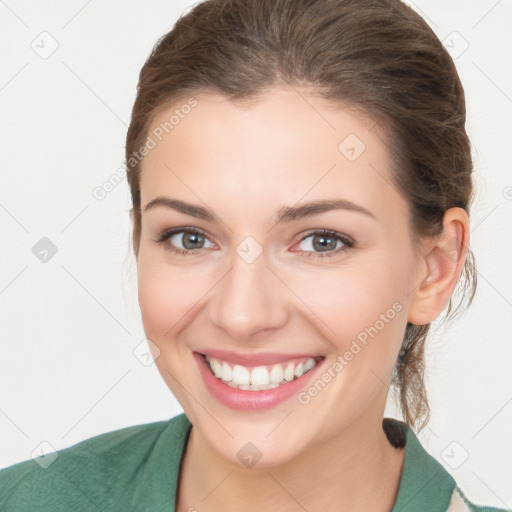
(260, 378)
(255, 381)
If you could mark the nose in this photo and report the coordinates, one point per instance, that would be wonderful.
(248, 300)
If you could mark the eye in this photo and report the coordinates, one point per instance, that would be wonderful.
(318, 244)
(184, 241)
(327, 243)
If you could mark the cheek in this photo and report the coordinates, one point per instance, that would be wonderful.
(166, 295)
(360, 310)
(351, 299)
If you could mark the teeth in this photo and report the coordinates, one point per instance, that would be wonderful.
(289, 372)
(268, 386)
(253, 387)
(241, 375)
(217, 368)
(309, 364)
(227, 372)
(277, 374)
(260, 377)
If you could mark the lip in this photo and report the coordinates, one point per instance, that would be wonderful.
(240, 399)
(250, 360)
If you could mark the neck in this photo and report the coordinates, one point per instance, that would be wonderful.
(358, 469)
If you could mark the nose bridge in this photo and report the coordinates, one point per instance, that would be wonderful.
(248, 298)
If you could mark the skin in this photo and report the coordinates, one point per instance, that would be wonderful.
(244, 164)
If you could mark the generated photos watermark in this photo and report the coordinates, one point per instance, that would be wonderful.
(356, 346)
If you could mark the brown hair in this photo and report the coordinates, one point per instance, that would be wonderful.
(377, 55)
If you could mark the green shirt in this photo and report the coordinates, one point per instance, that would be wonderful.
(136, 469)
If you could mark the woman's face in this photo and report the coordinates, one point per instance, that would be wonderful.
(262, 289)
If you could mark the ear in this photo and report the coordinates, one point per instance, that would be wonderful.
(443, 261)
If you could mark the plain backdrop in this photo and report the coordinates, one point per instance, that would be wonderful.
(72, 361)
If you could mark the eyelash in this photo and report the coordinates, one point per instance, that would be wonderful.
(347, 242)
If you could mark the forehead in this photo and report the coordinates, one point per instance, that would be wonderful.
(287, 145)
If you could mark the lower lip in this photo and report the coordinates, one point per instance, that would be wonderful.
(250, 400)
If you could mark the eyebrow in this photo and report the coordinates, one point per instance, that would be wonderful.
(181, 206)
(284, 214)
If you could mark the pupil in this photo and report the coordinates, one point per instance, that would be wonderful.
(324, 242)
(194, 238)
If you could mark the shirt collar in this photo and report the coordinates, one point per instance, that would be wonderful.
(424, 484)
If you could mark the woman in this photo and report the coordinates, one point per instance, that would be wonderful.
(301, 181)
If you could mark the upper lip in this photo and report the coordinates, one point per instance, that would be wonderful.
(254, 359)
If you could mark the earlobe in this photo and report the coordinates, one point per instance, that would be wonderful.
(443, 260)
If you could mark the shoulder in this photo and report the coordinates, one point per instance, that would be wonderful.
(95, 472)
(425, 484)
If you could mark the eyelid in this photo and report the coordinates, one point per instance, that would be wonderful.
(331, 232)
(169, 232)
(172, 231)
(348, 241)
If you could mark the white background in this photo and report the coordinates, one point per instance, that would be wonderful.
(69, 327)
